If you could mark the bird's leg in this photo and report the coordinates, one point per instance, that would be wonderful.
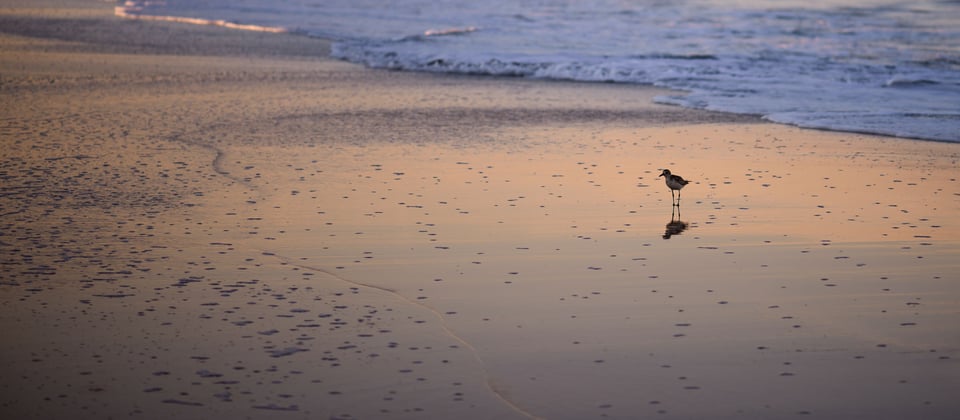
(673, 198)
(678, 198)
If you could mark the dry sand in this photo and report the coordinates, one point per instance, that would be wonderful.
(197, 222)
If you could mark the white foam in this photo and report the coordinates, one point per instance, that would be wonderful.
(450, 31)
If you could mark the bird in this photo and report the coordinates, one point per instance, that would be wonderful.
(675, 183)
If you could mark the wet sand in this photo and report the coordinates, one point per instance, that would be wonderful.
(201, 222)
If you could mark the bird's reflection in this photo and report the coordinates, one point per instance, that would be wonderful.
(676, 226)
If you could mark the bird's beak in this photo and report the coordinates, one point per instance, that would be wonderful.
(661, 174)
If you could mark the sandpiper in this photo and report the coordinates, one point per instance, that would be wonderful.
(675, 183)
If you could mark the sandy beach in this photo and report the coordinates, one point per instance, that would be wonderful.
(199, 222)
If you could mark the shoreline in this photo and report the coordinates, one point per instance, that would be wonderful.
(228, 225)
(127, 12)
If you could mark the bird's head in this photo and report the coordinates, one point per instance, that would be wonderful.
(666, 172)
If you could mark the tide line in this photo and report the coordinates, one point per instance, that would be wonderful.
(130, 10)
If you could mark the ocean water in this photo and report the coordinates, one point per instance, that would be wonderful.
(872, 66)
